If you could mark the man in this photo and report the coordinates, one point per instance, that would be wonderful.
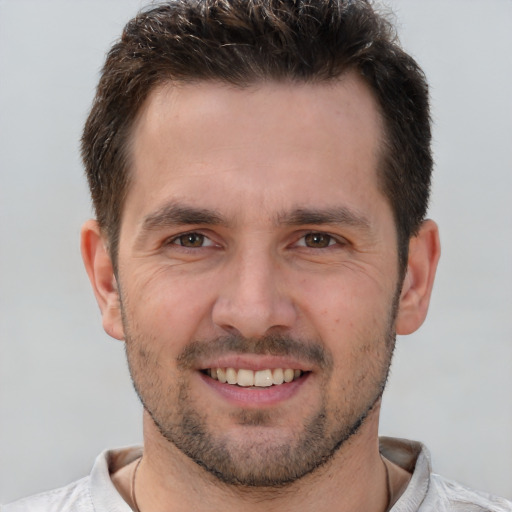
(260, 172)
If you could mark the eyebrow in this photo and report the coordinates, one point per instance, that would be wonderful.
(173, 214)
(337, 215)
(179, 214)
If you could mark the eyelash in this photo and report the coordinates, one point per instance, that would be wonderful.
(320, 236)
(331, 240)
(176, 239)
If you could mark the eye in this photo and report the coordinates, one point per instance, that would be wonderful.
(192, 240)
(316, 240)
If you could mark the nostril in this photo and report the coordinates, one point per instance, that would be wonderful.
(252, 302)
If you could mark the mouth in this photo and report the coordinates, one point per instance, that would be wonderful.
(249, 378)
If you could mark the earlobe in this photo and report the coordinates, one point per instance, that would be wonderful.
(98, 265)
(424, 252)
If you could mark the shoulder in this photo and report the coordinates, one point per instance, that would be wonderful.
(430, 492)
(446, 495)
(94, 493)
(71, 498)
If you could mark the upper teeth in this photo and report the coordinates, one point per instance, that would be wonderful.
(260, 378)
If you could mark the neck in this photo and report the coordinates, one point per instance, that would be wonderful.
(354, 479)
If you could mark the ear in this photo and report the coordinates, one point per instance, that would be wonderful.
(424, 252)
(101, 274)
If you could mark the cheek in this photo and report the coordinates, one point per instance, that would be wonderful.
(347, 305)
(353, 321)
(166, 308)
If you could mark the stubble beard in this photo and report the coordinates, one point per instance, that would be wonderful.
(261, 460)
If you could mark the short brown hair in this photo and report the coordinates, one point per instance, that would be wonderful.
(244, 41)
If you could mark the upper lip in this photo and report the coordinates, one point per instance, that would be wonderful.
(255, 362)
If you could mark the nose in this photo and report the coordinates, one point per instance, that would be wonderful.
(254, 298)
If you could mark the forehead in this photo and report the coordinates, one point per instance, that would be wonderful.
(271, 143)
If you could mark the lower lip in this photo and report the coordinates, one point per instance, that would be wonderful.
(256, 397)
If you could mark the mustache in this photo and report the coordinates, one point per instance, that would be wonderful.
(272, 344)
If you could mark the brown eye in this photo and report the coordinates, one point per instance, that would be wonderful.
(317, 240)
(190, 240)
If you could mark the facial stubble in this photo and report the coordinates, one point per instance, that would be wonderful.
(262, 461)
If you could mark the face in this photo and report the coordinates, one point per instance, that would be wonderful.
(258, 273)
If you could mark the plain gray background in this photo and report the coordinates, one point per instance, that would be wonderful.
(64, 390)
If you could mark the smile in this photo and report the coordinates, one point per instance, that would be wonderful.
(250, 378)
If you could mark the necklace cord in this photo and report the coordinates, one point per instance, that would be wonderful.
(389, 490)
(133, 497)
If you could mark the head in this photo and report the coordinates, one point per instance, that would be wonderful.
(260, 172)
(242, 42)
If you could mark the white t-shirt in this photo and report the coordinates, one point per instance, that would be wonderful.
(426, 492)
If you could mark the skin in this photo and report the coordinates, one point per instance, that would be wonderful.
(258, 163)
